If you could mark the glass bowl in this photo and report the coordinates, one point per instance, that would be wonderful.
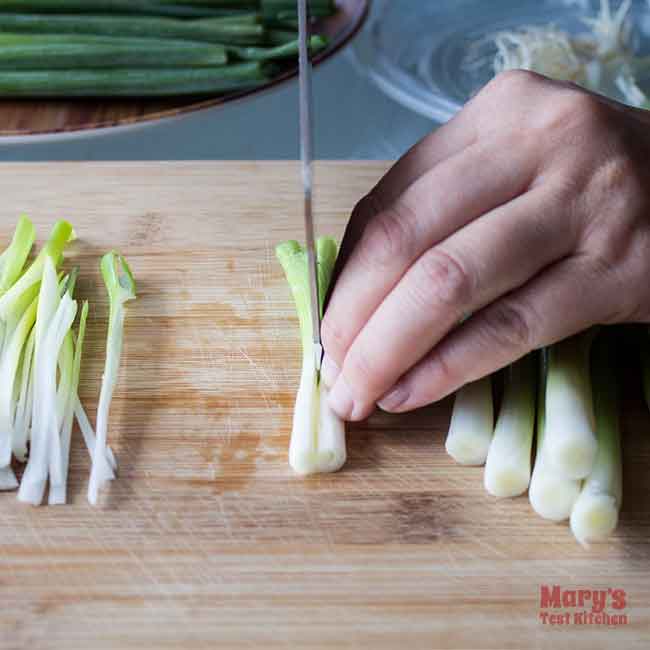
(432, 56)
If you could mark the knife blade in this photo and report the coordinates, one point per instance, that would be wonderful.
(306, 156)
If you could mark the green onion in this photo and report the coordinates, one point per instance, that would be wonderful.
(214, 30)
(551, 495)
(16, 255)
(11, 358)
(280, 36)
(472, 423)
(595, 513)
(54, 319)
(58, 493)
(21, 51)
(125, 6)
(508, 464)
(318, 435)
(284, 51)
(287, 8)
(40, 363)
(24, 404)
(130, 83)
(571, 438)
(225, 5)
(8, 479)
(121, 288)
(89, 436)
(61, 234)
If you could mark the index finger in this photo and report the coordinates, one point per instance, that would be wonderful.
(431, 209)
(449, 139)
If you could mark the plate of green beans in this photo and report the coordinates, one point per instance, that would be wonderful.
(75, 65)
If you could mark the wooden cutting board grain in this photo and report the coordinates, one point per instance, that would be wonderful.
(206, 539)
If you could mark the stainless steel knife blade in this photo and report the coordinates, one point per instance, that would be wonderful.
(306, 155)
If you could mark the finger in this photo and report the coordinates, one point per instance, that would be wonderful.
(447, 140)
(483, 261)
(569, 297)
(445, 199)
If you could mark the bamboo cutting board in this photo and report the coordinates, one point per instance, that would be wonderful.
(206, 539)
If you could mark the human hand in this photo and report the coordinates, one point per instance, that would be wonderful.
(530, 210)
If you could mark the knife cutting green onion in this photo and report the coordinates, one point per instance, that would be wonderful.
(318, 435)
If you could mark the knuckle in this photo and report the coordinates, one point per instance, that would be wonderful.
(510, 326)
(621, 178)
(512, 82)
(444, 373)
(362, 214)
(588, 109)
(578, 110)
(607, 269)
(389, 237)
(441, 279)
(360, 368)
(366, 208)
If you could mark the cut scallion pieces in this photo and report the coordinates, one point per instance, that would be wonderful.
(15, 256)
(54, 319)
(121, 288)
(58, 492)
(61, 234)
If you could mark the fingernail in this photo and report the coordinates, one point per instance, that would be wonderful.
(340, 399)
(393, 400)
(329, 371)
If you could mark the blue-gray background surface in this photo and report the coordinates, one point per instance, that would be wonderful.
(354, 120)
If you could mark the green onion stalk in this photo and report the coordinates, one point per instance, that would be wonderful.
(508, 465)
(570, 425)
(595, 513)
(551, 494)
(318, 435)
(472, 423)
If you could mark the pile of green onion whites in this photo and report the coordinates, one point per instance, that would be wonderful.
(147, 48)
(559, 406)
(40, 365)
(601, 59)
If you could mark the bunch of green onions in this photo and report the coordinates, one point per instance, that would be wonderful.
(559, 406)
(112, 48)
(561, 403)
(40, 365)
